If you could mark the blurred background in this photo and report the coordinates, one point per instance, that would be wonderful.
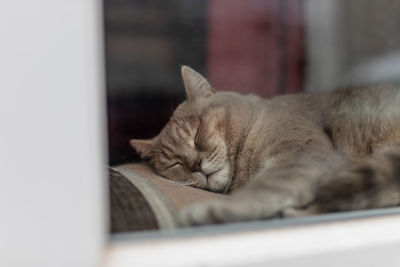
(267, 47)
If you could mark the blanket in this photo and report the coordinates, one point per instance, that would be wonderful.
(142, 200)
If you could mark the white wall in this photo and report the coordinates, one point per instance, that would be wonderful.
(51, 133)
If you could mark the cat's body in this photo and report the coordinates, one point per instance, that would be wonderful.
(289, 155)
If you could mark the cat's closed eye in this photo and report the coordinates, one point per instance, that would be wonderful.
(176, 164)
(196, 141)
(200, 142)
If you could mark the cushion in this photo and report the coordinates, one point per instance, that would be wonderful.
(142, 200)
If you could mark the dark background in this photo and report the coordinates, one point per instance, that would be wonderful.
(246, 46)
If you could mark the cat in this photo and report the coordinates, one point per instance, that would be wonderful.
(289, 155)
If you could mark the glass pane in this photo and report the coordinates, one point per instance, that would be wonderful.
(262, 47)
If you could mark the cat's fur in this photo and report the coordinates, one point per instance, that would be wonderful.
(284, 156)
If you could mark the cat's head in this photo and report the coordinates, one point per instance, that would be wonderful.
(192, 148)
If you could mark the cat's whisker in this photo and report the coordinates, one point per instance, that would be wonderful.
(233, 142)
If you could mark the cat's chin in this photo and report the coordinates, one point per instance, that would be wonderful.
(219, 180)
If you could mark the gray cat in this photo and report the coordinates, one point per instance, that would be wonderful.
(285, 156)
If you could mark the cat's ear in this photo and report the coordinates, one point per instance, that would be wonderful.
(195, 85)
(143, 147)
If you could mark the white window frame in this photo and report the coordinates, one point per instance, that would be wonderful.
(53, 187)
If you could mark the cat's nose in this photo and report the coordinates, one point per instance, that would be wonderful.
(197, 165)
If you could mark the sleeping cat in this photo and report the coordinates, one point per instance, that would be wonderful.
(285, 156)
